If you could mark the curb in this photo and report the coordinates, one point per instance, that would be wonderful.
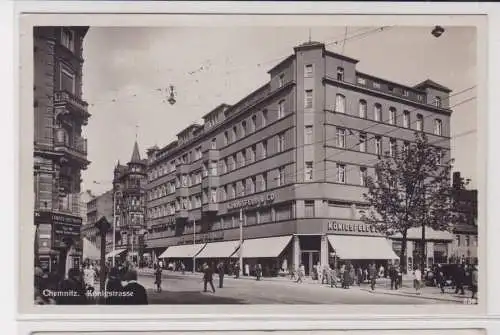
(413, 296)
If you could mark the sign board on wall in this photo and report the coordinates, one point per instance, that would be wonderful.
(351, 227)
(259, 201)
(63, 226)
(203, 237)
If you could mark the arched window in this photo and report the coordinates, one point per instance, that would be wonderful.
(340, 103)
(377, 112)
(362, 109)
(392, 115)
(420, 122)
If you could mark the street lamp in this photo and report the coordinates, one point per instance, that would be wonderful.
(437, 31)
(102, 226)
(114, 222)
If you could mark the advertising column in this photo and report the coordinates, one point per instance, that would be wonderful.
(296, 252)
(324, 250)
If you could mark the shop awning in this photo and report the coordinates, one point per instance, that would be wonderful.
(182, 251)
(362, 247)
(268, 247)
(115, 253)
(430, 234)
(219, 249)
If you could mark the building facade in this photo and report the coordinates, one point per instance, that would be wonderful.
(289, 162)
(60, 150)
(97, 207)
(129, 184)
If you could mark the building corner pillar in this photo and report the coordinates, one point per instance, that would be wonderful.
(296, 252)
(324, 250)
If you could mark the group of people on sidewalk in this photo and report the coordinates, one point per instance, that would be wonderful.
(79, 286)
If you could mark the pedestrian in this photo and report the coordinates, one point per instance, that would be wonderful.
(158, 274)
(208, 277)
(359, 274)
(474, 281)
(324, 274)
(89, 276)
(381, 271)
(134, 293)
(333, 277)
(113, 288)
(237, 270)
(72, 289)
(393, 277)
(292, 273)
(417, 278)
(247, 269)
(220, 270)
(399, 282)
(372, 272)
(41, 287)
(258, 271)
(183, 268)
(352, 275)
(300, 274)
(459, 280)
(346, 280)
(440, 278)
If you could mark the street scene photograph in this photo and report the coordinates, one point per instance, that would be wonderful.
(293, 164)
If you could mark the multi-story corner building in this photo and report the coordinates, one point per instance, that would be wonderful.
(60, 151)
(465, 245)
(128, 188)
(289, 161)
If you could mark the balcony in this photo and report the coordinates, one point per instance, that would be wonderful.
(210, 207)
(210, 182)
(182, 214)
(71, 104)
(75, 148)
(211, 155)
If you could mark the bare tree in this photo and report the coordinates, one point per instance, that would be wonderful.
(411, 187)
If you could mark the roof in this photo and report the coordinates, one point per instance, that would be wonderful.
(136, 156)
(433, 84)
(218, 108)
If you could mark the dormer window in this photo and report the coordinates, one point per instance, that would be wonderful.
(340, 73)
(281, 80)
(437, 102)
(68, 39)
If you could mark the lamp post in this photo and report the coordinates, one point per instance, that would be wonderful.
(240, 251)
(114, 223)
(102, 226)
(194, 242)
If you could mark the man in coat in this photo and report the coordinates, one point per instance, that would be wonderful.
(208, 277)
(373, 276)
(220, 270)
(135, 293)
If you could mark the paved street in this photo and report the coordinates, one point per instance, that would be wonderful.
(188, 289)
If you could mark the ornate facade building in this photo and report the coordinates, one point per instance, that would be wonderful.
(129, 207)
(60, 150)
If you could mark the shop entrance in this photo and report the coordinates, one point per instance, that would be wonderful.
(309, 259)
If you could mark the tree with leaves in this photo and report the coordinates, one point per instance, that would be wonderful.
(411, 188)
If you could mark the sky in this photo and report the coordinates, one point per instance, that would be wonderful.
(127, 70)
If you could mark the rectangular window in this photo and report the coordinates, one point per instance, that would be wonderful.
(340, 137)
(252, 185)
(363, 175)
(213, 168)
(340, 73)
(308, 135)
(235, 160)
(376, 85)
(281, 109)
(363, 108)
(213, 195)
(281, 80)
(406, 119)
(340, 103)
(243, 188)
(242, 158)
(308, 72)
(392, 148)
(378, 145)
(309, 208)
(341, 173)
(281, 176)
(438, 127)
(439, 157)
(243, 129)
(213, 144)
(420, 122)
(67, 80)
(235, 134)
(437, 102)
(308, 102)
(281, 142)
(254, 122)
(377, 113)
(264, 118)
(406, 93)
(308, 175)
(68, 39)
(420, 97)
(226, 138)
(362, 142)
(197, 153)
(253, 151)
(361, 81)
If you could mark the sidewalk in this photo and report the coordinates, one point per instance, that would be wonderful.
(382, 286)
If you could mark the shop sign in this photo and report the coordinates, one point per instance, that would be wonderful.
(65, 226)
(203, 238)
(351, 227)
(252, 202)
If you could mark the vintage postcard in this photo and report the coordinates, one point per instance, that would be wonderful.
(327, 161)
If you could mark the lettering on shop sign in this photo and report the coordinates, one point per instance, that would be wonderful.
(252, 202)
(351, 227)
(203, 238)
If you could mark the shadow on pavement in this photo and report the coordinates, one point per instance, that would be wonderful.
(189, 298)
